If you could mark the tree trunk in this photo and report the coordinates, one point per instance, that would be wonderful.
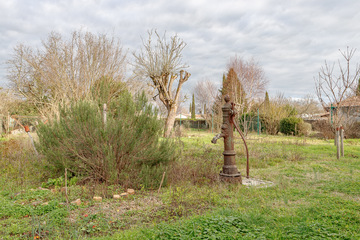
(169, 123)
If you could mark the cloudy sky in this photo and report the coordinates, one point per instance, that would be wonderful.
(289, 39)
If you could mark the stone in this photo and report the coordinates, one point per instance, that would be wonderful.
(45, 203)
(130, 191)
(35, 203)
(76, 202)
(124, 194)
(98, 199)
(116, 196)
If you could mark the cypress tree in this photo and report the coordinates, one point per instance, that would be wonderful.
(267, 101)
(193, 107)
(358, 89)
(233, 87)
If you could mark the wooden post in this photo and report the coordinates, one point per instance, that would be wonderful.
(66, 193)
(1, 121)
(104, 113)
(32, 143)
(342, 140)
(337, 143)
(8, 123)
(162, 180)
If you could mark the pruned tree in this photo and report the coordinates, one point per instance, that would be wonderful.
(63, 70)
(161, 62)
(333, 87)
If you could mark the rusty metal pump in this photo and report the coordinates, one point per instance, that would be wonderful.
(230, 173)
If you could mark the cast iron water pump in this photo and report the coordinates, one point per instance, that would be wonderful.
(230, 173)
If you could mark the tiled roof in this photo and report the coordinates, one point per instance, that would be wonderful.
(349, 102)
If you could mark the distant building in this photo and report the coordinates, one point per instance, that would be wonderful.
(183, 116)
(349, 108)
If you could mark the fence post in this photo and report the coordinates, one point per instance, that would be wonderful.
(342, 140)
(104, 113)
(8, 123)
(337, 143)
(258, 122)
(1, 121)
(212, 122)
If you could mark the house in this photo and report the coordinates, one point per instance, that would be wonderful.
(348, 108)
(183, 116)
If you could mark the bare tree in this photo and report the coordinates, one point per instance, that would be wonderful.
(206, 95)
(251, 76)
(305, 106)
(65, 69)
(334, 87)
(161, 61)
(253, 83)
(276, 109)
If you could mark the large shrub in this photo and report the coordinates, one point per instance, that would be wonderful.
(290, 125)
(127, 149)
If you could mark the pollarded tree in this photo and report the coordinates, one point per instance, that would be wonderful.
(161, 62)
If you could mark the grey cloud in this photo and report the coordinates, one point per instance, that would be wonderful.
(290, 39)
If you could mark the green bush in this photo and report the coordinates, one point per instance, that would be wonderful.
(290, 125)
(118, 152)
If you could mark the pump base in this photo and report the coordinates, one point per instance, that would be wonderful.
(231, 178)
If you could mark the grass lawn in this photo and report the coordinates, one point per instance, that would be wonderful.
(314, 196)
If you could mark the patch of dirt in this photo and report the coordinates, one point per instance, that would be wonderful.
(113, 209)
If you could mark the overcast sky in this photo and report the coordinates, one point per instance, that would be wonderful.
(289, 39)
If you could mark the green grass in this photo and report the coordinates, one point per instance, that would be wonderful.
(314, 196)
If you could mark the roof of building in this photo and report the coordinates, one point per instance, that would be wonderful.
(353, 101)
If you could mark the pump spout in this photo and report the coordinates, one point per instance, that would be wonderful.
(220, 135)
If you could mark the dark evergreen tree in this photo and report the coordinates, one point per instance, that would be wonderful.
(266, 101)
(233, 87)
(358, 89)
(193, 107)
